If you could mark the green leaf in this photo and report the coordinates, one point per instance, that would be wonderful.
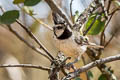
(18, 1)
(77, 78)
(9, 17)
(97, 27)
(102, 77)
(31, 2)
(90, 75)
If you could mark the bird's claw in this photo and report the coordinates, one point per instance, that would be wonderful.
(70, 65)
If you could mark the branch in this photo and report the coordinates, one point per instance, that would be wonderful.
(86, 13)
(91, 65)
(31, 35)
(102, 37)
(109, 40)
(109, 4)
(35, 38)
(25, 66)
(71, 9)
(28, 44)
(107, 43)
(58, 10)
(39, 21)
(102, 40)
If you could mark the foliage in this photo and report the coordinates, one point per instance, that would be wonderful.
(95, 23)
(90, 74)
(102, 77)
(18, 1)
(9, 17)
(27, 2)
(97, 26)
(31, 2)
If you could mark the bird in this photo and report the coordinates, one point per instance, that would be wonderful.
(71, 43)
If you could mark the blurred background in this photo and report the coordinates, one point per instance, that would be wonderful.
(13, 51)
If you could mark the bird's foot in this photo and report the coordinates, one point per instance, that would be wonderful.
(70, 65)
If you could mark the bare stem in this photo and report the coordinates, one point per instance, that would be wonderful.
(58, 10)
(25, 66)
(111, 38)
(91, 65)
(39, 21)
(71, 9)
(27, 43)
(35, 38)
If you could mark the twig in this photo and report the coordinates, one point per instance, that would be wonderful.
(103, 8)
(31, 35)
(1, 8)
(91, 65)
(29, 32)
(86, 13)
(114, 11)
(58, 10)
(102, 34)
(111, 38)
(102, 37)
(86, 72)
(71, 9)
(25, 66)
(39, 21)
(28, 44)
(35, 38)
(108, 7)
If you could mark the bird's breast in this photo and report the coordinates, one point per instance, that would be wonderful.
(69, 48)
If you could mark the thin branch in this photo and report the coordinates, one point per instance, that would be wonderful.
(31, 35)
(25, 66)
(86, 13)
(39, 21)
(91, 65)
(27, 43)
(1, 9)
(53, 5)
(92, 55)
(111, 38)
(103, 8)
(71, 9)
(102, 34)
(102, 37)
(86, 72)
(114, 11)
(108, 7)
(35, 38)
